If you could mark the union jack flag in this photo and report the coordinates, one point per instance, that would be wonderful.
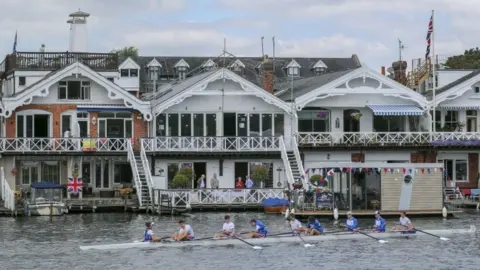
(429, 37)
(74, 185)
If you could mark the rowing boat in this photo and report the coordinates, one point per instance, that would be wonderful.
(279, 239)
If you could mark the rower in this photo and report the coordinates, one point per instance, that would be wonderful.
(404, 225)
(314, 226)
(185, 233)
(351, 223)
(228, 229)
(148, 235)
(260, 229)
(295, 225)
(380, 224)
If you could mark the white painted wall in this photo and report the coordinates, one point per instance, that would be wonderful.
(228, 178)
(312, 159)
(384, 156)
(129, 83)
(98, 95)
(469, 98)
(447, 76)
(359, 101)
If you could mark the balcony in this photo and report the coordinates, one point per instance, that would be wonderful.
(211, 144)
(362, 139)
(62, 145)
(39, 61)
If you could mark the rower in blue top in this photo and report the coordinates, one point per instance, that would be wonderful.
(351, 223)
(260, 229)
(380, 224)
(314, 226)
(148, 235)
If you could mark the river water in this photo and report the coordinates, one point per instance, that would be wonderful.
(53, 243)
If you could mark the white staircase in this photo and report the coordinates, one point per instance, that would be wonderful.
(297, 162)
(286, 163)
(7, 194)
(292, 162)
(140, 178)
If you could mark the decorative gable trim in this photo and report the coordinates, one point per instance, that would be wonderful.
(182, 63)
(128, 62)
(332, 89)
(456, 91)
(320, 64)
(198, 88)
(208, 63)
(154, 63)
(293, 63)
(237, 63)
(42, 89)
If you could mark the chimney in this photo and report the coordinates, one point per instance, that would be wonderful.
(268, 76)
(400, 71)
(383, 70)
(78, 31)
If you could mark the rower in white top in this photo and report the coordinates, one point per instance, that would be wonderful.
(185, 233)
(404, 225)
(228, 229)
(295, 225)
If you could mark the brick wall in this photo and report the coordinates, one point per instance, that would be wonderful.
(140, 129)
(472, 172)
(56, 110)
(93, 128)
(358, 157)
(423, 157)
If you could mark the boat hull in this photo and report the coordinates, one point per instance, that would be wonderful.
(55, 209)
(280, 239)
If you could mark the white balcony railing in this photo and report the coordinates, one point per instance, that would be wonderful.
(8, 195)
(384, 138)
(181, 198)
(211, 144)
(63, 144)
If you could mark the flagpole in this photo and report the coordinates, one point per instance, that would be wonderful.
(433, 73)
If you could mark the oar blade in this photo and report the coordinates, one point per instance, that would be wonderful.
(308, 245)
(382, 241)
(444, 238)
(257, 247)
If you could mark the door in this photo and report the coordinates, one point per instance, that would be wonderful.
(199, 169)
(340, 185)
(472, 124)
(102, 174)
(229, 130)
(241, 170)
(242, 131)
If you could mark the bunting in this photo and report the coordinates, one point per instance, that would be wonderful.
(325, 172)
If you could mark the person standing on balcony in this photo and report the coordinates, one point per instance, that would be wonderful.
(67, 135)
(201, 186)
(249, 184)
(239, 183)
(214, 183)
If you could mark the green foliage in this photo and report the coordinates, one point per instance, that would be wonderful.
(128, 52)
(259, 173)
(183, 178)
(315, 179)
(469, 60)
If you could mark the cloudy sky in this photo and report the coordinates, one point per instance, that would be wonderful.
(317, 28)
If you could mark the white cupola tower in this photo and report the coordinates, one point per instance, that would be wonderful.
(78, 31)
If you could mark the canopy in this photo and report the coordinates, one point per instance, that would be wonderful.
(395, 110)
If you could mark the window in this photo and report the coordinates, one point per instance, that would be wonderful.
(133, 72)
(29, 172)
(319, 70)
(388, 123)
(153, 73)
(456, 170)
(129, 72)
(86, 170)
(22, 80)
(122, 173)
(476, 89)
(293, 71)
(50, 172)
(74, 90)
(83, 124)
(450, 120)
(314, 121)
(112, 79)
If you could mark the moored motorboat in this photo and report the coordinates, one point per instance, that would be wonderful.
(45, 200)
(279, 239)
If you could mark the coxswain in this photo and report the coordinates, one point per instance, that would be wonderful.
(295, 225)
(148, 235)
(228, 229)
(351, 223)
(314, 227)
(260, 229)
(380, 224)
(185, 233)
(404, 225)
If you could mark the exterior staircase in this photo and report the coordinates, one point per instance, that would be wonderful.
(292, 160)
(141, 178)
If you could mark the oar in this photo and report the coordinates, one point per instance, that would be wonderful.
(379, 240)
(303, 240)
(431, 234)
(252, 245)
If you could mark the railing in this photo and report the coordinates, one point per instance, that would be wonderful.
(147, 171)
(8, 195)
(136, 176)
(58, 60)
(388, 138)
(63, 144)
(182, 198)
(286, 162)
(299, 161)
(211, 144)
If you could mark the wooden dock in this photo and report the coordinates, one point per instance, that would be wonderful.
(370, 213)
(464, 204)
(99, 205)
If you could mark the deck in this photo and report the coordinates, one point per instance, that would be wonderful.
(100, 205)
(370, 213)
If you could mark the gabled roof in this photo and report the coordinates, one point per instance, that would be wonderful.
(237, 63)
(176, 93)
(154, 63)
(319, 64)
(334, 88)
(129, 63)
(456, 88)
(181, 63)
(208, 63)
(42, 89)
(293, 63)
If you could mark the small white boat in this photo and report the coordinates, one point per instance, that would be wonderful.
(279, 239)
(46, 200)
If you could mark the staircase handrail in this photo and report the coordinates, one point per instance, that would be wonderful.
(8, 195)
(147, 171)
(136, 176)
(286, 163)
(299, 161)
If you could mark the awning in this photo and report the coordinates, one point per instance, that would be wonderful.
(395, 110)
(103, 107)
(459, 107)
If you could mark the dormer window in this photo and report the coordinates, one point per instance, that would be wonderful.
(209, 65)
(154, 70)
(181, 68)
(319, 68)
(293, 68)
(237, 66)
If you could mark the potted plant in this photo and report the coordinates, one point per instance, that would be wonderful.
(181, 180)
(315, 179)
(259, 173)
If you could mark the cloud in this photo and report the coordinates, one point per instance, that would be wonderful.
(328, 28)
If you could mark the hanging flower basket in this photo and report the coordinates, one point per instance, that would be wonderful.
(14, 171)
(356, 116)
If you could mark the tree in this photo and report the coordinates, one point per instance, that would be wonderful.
(469, 60)
(183, 178)
(259, 173)
(128, 52)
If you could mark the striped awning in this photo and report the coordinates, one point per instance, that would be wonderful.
(395, 110)
(459, 107)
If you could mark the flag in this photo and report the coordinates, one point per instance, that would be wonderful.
(15, 43)
(74, 185)
(331, 172)
(429, 37)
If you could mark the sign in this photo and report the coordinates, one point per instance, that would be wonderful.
(74, 185)
(324, 199)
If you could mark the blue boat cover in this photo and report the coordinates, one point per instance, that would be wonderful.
(46, 185)
(272, 202)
